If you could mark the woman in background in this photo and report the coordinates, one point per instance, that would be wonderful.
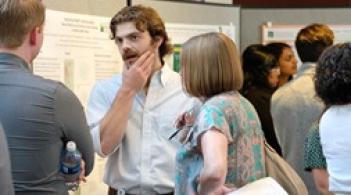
(261, 78)
(286, 60)
(333, 86)
(224, 147)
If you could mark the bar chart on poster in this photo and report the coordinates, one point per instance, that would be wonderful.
(287, 33)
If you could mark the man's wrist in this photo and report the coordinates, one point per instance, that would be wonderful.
(127, 91)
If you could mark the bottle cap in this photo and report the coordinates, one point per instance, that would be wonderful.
(71, 146)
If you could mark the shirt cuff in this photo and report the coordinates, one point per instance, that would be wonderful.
(95, 133)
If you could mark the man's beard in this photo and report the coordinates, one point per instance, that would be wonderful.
(130, 56)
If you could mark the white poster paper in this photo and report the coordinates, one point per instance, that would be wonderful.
(77, 51)
(288, 33)
(179, 33)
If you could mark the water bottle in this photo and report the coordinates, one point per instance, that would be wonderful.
(70, 166)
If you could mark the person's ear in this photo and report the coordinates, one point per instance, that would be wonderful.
(33, 36)
(158, 41)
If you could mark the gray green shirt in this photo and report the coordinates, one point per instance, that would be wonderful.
(39, 116)
(6, 186)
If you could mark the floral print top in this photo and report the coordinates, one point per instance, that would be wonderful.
(235, 117)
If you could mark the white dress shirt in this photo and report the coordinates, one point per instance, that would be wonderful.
(144, 162)
(335, 131)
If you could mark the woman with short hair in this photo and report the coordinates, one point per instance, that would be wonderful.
(224, 147)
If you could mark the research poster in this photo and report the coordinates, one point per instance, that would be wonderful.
(77, 51)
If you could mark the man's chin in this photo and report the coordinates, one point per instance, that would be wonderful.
(129, 62)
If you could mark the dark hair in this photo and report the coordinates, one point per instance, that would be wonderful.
(333, 75)
(276, 48)
(257, 63)
(312, 40)
(145, 18)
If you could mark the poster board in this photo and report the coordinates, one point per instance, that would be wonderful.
(287, 33)
(180, 33)
(77, 51)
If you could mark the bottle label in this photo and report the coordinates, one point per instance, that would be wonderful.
(70, 169)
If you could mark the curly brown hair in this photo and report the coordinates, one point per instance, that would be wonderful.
(145, 18)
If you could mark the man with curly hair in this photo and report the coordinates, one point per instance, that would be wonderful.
(131, 115)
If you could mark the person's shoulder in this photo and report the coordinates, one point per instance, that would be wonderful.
(229, 99)
(289, 91)
(113, 82)
(258, 94)
(336, 113)
(46, 84)
(170, 74)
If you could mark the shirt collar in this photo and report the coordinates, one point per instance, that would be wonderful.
(305, 68)
(8, 59)
(164, 74)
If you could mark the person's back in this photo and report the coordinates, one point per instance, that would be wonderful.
(295, 106)
(35, 127)
(38, 115)
(333, 83)
(223, 146)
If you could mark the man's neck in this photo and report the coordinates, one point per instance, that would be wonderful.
(156, 67)
(20, 52)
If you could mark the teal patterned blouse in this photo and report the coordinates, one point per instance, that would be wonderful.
(314, 157)
(236, 118)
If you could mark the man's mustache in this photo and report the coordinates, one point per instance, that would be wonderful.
(130, 54)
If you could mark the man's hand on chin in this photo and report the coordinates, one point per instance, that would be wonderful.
(135, 76)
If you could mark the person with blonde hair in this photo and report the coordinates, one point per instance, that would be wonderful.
(38, 115)
(224, 147)
(294, 106)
